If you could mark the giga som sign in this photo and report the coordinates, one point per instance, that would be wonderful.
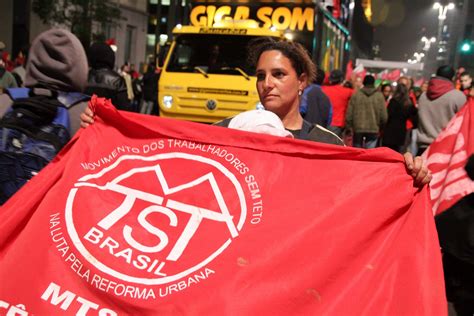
(282, 18)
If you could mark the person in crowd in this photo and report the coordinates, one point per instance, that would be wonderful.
(348, 84)
(466, 82)
(137, 91)
(125, 73)
(150, 90)
(57, 65)
(400, 109)
(408, 82)
(103, 80)
(366, 114)
(417, 92)
(455, 227)
(7, 80)
(315, 105)
(40, 119)
(7, 61)
(437, 106)
(133, 72)
(410, 140)
(386, 90)
(20, 71)
(283, 70)
(339, 97)
(424, 87)
(357, 82)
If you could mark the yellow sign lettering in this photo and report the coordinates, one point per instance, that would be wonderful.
(282, 18)
(211, 11)
(222, 13)
(300, 18)
(263, 14)
(196, 17)
(242, 13)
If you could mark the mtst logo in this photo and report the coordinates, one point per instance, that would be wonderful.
(154, 220)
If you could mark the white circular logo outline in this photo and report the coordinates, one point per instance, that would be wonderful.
(155, 281)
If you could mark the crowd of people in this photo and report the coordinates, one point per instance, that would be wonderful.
(396, 114)
(128, 89)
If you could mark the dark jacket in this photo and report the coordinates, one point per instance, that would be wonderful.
(108, 84)
(309, 131)
(315, 106)
(150, 86)
(395, 130)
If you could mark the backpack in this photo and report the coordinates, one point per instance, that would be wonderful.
(32, 132)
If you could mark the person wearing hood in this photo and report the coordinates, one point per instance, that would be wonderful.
(437, 106)
(103, 80)
(40, 119)
(56, 71)
(366, 114)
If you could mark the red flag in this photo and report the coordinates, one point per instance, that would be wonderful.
(394, 75)
(446, 158)
(149, 216)
(349, 70)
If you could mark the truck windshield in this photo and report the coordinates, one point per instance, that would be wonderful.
(210, 54)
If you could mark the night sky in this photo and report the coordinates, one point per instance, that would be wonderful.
(400, 25)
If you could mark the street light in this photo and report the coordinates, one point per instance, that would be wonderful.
(443, 9)
(418, 56)
(428, 41)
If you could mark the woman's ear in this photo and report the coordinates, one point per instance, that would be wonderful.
(303, 81)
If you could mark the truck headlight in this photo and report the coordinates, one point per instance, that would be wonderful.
(168, 101)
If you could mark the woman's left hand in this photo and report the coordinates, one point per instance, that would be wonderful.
(418, 170)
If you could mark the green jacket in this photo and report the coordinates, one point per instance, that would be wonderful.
(366, 112)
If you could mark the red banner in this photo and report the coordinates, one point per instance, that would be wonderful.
(148, 216)
(446, 158)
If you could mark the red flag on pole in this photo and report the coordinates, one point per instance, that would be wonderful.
(149, 216)
(446, 158)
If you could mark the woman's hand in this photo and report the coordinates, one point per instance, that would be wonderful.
(87, 117)
(418, 170)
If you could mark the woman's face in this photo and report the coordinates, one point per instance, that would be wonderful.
(277, 83)
(387, 91)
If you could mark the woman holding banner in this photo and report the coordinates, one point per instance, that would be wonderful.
(284, 69)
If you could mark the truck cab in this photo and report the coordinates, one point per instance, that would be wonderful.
(206, 77)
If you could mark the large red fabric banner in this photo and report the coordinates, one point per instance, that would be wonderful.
(148, 216)
(446, 158)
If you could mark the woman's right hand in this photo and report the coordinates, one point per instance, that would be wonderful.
(87, 117)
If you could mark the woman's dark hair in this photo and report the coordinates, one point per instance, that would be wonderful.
(401, 95)
(295, 52)
(382, 87)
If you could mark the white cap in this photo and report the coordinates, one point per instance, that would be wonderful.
(260, 121)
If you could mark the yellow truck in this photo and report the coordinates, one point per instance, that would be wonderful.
(206, 77)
